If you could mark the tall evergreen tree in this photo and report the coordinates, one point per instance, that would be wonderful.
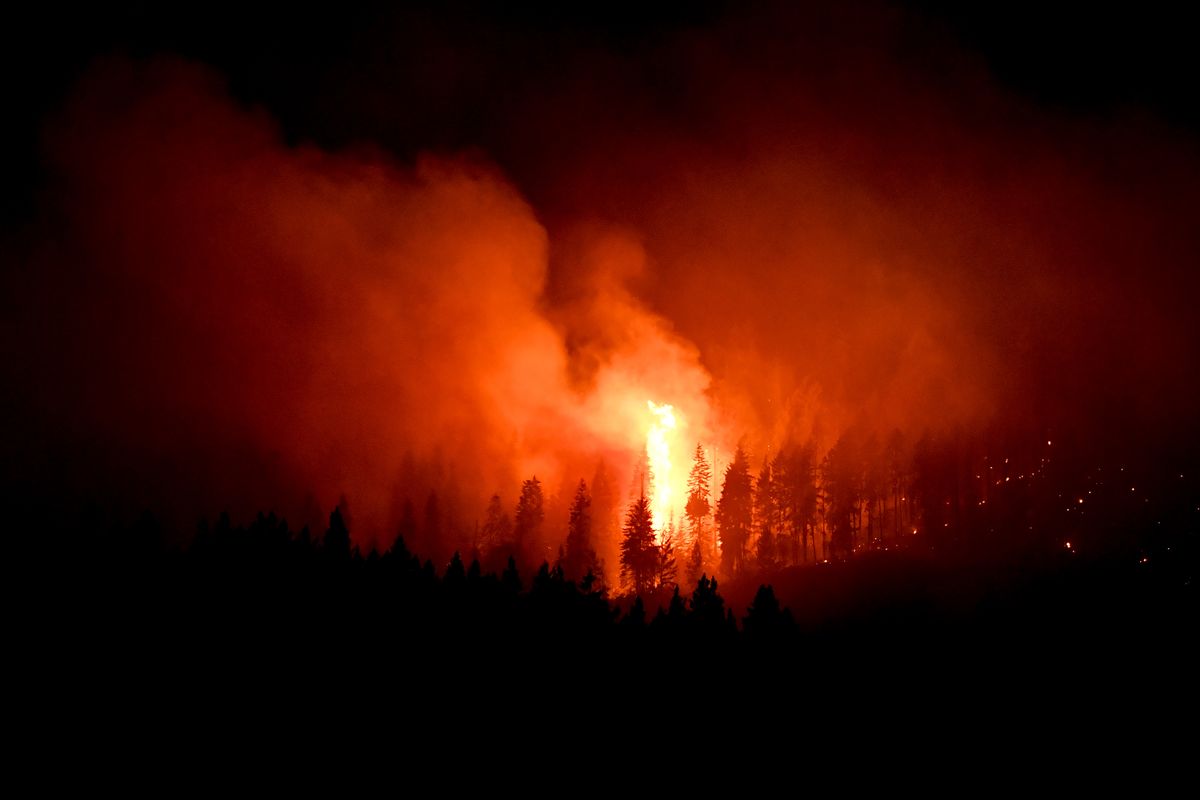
(765, 620)
(668, 571)
(337, 536)
(804, 480)
(697, 509)
(707, 605)
(579, 556)
(605, 523)
(639, 553)
(841, 478)
(735, 513)
(510, 579)
(794, 489)
(787, 534)
(766, 502)
(496, 533)
(528, 520)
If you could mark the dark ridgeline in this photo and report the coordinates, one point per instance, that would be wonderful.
(954, 574)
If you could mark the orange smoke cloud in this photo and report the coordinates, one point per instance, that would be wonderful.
(779, 240)
(329, 318)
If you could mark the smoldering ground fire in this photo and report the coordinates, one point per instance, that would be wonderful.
(217, 317)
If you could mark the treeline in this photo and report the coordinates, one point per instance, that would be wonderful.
(862, 495)
(264, 607)
(266, 581)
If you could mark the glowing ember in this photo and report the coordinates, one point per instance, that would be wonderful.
(659, 439)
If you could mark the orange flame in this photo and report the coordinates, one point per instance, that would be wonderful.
(660, 439)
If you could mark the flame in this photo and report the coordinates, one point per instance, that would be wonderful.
(660, 437)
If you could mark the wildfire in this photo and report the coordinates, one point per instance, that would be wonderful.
(659, 438)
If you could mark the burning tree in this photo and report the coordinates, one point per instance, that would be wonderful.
(697, 512)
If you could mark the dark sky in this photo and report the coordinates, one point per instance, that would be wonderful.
(365, 72)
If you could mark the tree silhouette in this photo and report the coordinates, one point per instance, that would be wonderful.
(510, 579)
(579, 555)
(527, 525)
(698, 508)
(455, 572)
(708, 607)
(735, 513)
(667, 576)
(336, 542)
(766, 517)
(842, 478)
(639, 554)
(605, 511)
(497, 533)
(635, 619)
(764, 619)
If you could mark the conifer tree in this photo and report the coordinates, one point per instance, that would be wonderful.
(528, 519)
(697, 509)
(667, 568)
(578, 553)
(337, 536)
(735, 513)
(496, 533)
(639, 554)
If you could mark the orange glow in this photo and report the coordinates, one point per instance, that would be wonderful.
(661, 443)
(445, 324)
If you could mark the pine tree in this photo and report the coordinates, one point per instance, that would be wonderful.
(579, 555)
(735, 513)
(708, 607)
(667, 570)
(510, 579)
(496, 533)
(639, 554)
(605, 525)
(337, 536)
(406, 531)
(698, 508)
(528, 519)
(808, 497)
(456, 573)
(841, 476)
(795, 493)
(765, 620)
(765, 505)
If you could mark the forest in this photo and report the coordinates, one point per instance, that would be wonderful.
(554, 366)
(878, 536)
